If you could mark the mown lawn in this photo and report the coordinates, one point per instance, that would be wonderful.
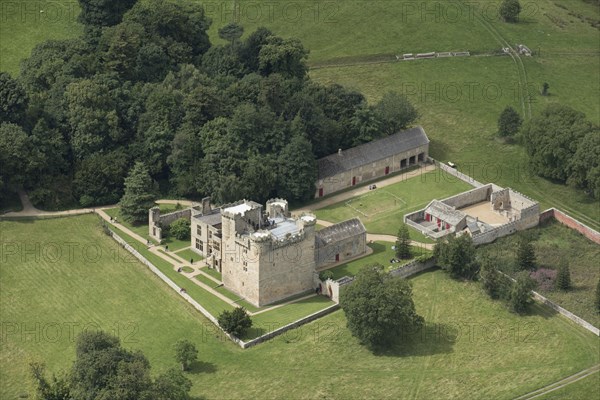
(382, 254)
(189, 254)
(554, 242)
(382, 210)
(473, 348)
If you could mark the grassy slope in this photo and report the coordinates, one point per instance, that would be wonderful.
(552, 242)
(579, 390)
(534, 350)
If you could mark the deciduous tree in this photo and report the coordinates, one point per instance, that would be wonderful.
(185, 353)
(379, 307)
(456, 254)
(510, 10)
(395, 112)
(236, 322)
(509, 122)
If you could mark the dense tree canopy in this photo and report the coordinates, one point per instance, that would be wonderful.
(379, 307)
(563, 145)
(145, 84)
(456, 254)
(103, 369)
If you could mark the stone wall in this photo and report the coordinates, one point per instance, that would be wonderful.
(572, 223)
(413, 268)
(578, 320)
(173, 286)
(158, 222)
(287, 327)
(470, 197)
(455, 172)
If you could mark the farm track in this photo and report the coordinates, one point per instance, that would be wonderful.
(521, 71)
(560, 384)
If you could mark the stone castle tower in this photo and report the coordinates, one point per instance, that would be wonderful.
(267, 256)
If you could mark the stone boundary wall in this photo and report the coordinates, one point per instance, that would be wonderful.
(413, 268)
(572, 223)
(174, 286)
(285, 328)
(470, 197)
(498, 232)
(578, 320)
(456, 173)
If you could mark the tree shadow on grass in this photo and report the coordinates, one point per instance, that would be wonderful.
(198, 367)
(431, 339)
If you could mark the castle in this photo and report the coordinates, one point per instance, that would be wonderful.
(265, 255)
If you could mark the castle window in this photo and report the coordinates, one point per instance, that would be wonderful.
(198, 229)
(210, 234)
(199, 245)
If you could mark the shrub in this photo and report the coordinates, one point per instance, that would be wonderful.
(180, 229)
(544, 278)
(324, 275)
(236, 322)
(520, 294)
(526, 256)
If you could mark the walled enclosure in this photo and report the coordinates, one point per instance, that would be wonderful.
(157, 222)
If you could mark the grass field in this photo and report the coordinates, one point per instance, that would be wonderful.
(579, 390)
(553, 242)
(382, 211)
(503, 357)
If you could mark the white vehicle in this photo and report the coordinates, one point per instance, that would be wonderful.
(451, 164)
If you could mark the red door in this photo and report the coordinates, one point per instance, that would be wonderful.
(337, 257)
(387, 170)
(353, 180)
(320, 192)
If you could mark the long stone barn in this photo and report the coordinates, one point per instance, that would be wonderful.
(371, 160)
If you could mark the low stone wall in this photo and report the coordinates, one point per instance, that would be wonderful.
(578, 320)
(457, 173)
(173, 286)
(292, 325)
(572, 223)
(413, 268)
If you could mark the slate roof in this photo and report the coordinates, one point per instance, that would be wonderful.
(212, 219)
(371, 152)
(338, 232)
(445, 212)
